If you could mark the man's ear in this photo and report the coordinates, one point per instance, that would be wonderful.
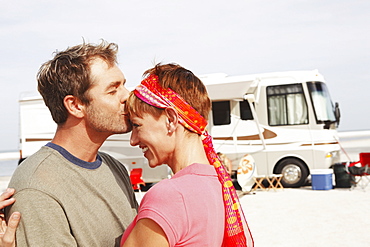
(172, 119)
(73, 106)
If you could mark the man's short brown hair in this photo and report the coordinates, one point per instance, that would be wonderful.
(68, 73)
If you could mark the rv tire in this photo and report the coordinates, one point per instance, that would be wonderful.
(294, 172)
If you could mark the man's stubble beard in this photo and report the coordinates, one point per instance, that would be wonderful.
(112, 123)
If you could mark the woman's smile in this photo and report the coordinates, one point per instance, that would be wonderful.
(144, 149)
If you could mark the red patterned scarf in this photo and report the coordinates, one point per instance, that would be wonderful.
(237, 232)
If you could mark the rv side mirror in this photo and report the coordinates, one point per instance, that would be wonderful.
(337, 113)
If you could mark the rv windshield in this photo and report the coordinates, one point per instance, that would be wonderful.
(322, 104)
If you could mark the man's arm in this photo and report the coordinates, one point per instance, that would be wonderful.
(43, 222)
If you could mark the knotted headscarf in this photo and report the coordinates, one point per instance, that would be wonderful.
(237, 232)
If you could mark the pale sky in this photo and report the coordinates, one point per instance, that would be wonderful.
(210, 36)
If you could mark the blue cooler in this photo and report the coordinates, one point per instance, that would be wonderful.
(322, 179)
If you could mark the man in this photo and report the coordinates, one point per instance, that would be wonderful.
(68, 193)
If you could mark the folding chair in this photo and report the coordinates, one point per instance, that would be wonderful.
(274, 181)
(136, 178)
(259, 185)
(360, 170)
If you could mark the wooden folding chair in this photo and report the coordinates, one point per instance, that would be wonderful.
(274, 181)
(279, 185)
(258, 180)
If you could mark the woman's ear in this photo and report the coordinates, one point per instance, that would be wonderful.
(172, 119)
(73, 106)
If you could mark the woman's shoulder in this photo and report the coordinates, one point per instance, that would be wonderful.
(162, 193)
(164, 186)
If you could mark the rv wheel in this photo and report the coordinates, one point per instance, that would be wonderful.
(294, 172)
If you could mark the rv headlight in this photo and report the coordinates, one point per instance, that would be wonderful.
(332, 154)
(333, 157)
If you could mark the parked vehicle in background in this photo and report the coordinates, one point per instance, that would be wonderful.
(286, 121)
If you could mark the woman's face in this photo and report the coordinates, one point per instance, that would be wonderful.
(151, 135)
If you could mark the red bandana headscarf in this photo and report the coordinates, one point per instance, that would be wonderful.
(237, 232)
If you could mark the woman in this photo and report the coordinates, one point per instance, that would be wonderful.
(7, 233)
(198, 206)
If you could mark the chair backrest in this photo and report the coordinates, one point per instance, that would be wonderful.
(365, 159)
(135, 175)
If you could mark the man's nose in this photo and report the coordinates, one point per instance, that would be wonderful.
(124, 95)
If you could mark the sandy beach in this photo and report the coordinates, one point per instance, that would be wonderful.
(303, 217)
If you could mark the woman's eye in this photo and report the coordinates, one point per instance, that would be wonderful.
(134, 124)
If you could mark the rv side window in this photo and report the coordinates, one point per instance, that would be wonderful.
(221, 112)
(245, 110)
(286, 105)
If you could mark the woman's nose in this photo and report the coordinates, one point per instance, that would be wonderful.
(133, 138)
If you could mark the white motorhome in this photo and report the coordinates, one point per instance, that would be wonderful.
(286, 121)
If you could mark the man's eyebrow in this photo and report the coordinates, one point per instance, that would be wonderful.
(115, 84)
